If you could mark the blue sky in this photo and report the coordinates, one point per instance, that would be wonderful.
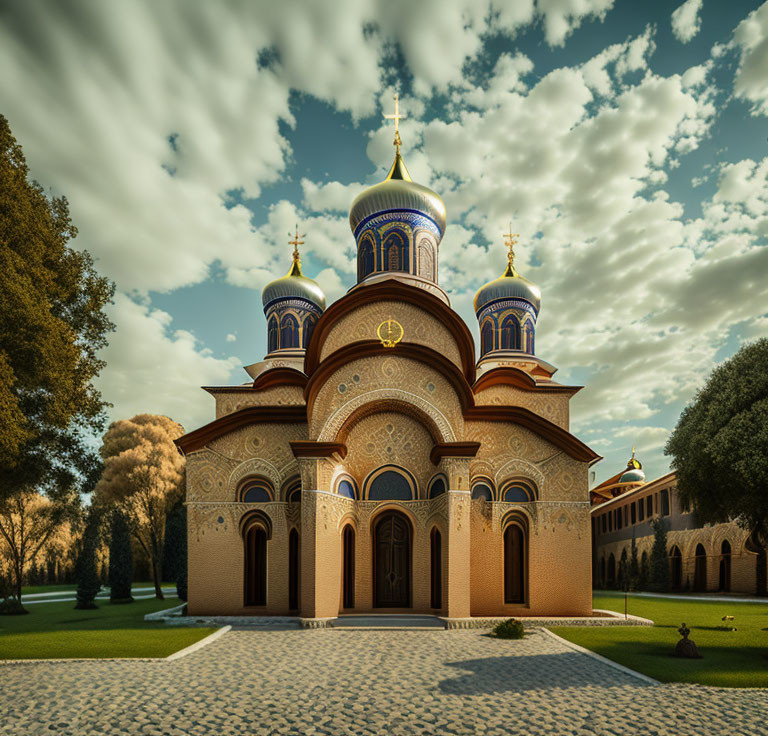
(627, 142)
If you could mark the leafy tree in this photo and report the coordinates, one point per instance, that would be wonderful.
(29, 521)
(719, 448)
(634, 567)
(659, 567)
(175, 548)
(88, 583)
(144, 476)
(622, 578)
(645, 572)
(52, 325)
(120, 559)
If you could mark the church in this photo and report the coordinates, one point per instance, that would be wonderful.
(373, 463)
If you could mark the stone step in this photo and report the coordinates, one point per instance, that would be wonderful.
(388, 621)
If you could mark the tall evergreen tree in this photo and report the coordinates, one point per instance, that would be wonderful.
(645, 572)
(622, 578)
(181, 573)
(175, 539)
(86, 569)
(120, 559)
(659, 577)
(634, 567)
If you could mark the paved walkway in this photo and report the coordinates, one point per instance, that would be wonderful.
(354, 682)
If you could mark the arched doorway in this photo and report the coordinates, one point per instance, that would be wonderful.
(725, 566)
(514, 563)
(700, 570)
(676, 568)
(348, 567)
(293, 570)
(436, 568)
(255, 538)
(392, 561)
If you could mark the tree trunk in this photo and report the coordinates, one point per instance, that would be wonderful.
(156, 576)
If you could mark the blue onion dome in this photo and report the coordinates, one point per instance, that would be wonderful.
(397, 193)
(294, 285)
(634, 472)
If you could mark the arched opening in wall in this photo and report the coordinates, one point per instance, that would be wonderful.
(272, 334)
(675, 568)
(346, 487)
(515, 561)
(348, 567)
(255, 490)
(528, 336)
(437, 486)
(365, 258)
(289, 332)
(509, 334)
(395, 252)
(602, 572)
(392, 561)
(436, 568)
(700, 569)
(426, 261)
(519, 491)
(486, 337)
(306, 329)
(255, 535)
(611, 578)
(725, 566)
(390, 484)
(482, 490)
(293, 570)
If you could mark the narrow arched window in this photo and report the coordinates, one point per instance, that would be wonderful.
(436, 569)
(437, 487)
(255, 490)
(255, 566)
(528, 338)
(509, 338)
(514, 564)
(348, 563)
(486, 337)
(676, 568)
(426, 261)
(725, 566)
(272, 334)
(395, 252)
(482, 490)
(365, 261)
(346, 489)
(289, 332)
(293, 570)
(518, 492)
(307, 328)
(700, 569)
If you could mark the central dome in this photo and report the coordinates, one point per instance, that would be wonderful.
(397, 193)
(509, 286)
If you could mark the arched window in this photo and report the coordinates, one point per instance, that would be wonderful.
(256, 490)
(675, 568)
(348, 567)
(292, 490)
(294, 495)
(255, 543)
(611, 571)
(437, 487)
(365, 261)
(272, 333)
(725, 566)
(700, 569)
(436, 568)
(289, 332)
(392, 485)
(309, 325)
(482, 490)
(528, 337)
(510, 333)
(346, 488)
(293, 570)
(514, 563)
(518, 491)
(486, 337)
(395, 252)
(426, 260)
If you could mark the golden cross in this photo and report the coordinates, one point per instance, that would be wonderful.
(510, 240)
(396, 117)
(296, 242)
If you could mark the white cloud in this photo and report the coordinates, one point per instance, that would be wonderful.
(686, 21)
(231, 337)
(153, 368)
(751, 38)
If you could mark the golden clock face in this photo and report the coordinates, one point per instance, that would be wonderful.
(390, 332)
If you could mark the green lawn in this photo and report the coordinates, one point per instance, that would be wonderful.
(729, 658)
(57, 630)
(30, 589)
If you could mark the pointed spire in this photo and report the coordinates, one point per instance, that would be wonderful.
(398, 170)
(510, 240)
(633, 461)
(296, 242)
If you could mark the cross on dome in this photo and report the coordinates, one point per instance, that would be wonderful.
(510, 240)
(296, 242)
(397, 117)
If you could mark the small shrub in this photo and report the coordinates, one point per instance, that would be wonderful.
(509, 629)
(12, 607)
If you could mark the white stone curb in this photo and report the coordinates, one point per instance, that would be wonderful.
(637, 620)
(604, 660)
(199, 644)
(160, 615)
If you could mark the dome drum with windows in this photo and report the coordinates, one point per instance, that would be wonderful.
(292, 306)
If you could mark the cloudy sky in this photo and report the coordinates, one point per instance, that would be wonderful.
(626, 141)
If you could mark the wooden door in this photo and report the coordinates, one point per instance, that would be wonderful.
(392, 566)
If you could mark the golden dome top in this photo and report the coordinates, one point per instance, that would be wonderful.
(294, 285)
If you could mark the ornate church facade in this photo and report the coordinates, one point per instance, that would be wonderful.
(374, 464)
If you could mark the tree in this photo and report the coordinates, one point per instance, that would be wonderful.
(659, 572)
(622, 578)
(634, 567)
(28, 521)
(144, 476)
(86, 571)
(181, 572)
(120, 559)
(719, 448)
(645, 572)
(175, 548)
(52, 324)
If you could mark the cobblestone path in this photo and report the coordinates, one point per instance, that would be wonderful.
(395, 682)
